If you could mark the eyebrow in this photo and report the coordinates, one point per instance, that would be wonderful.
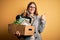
(31, 6)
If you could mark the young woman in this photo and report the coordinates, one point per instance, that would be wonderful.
(37, 21)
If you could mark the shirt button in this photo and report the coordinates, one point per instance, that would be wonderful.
(34, 32)
(35, 37)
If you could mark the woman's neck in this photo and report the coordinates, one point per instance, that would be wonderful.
(31, 14)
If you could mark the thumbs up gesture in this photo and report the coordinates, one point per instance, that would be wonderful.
(43, 16)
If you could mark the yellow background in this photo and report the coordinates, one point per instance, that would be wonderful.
(11, 8)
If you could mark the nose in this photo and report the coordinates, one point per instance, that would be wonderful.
(32, 9)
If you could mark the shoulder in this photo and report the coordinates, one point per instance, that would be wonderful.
(38, 16)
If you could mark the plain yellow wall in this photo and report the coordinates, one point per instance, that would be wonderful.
(11, 8)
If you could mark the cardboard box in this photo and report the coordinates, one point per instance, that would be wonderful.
(24, 30)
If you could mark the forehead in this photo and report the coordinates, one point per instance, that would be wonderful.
(32, 5)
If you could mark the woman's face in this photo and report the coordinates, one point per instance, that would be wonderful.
(32, 8)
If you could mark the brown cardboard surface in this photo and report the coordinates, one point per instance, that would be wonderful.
(24, 30)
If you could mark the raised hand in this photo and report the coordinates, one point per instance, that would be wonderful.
(43, 16)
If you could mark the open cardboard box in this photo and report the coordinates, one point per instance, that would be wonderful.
(24, 30)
